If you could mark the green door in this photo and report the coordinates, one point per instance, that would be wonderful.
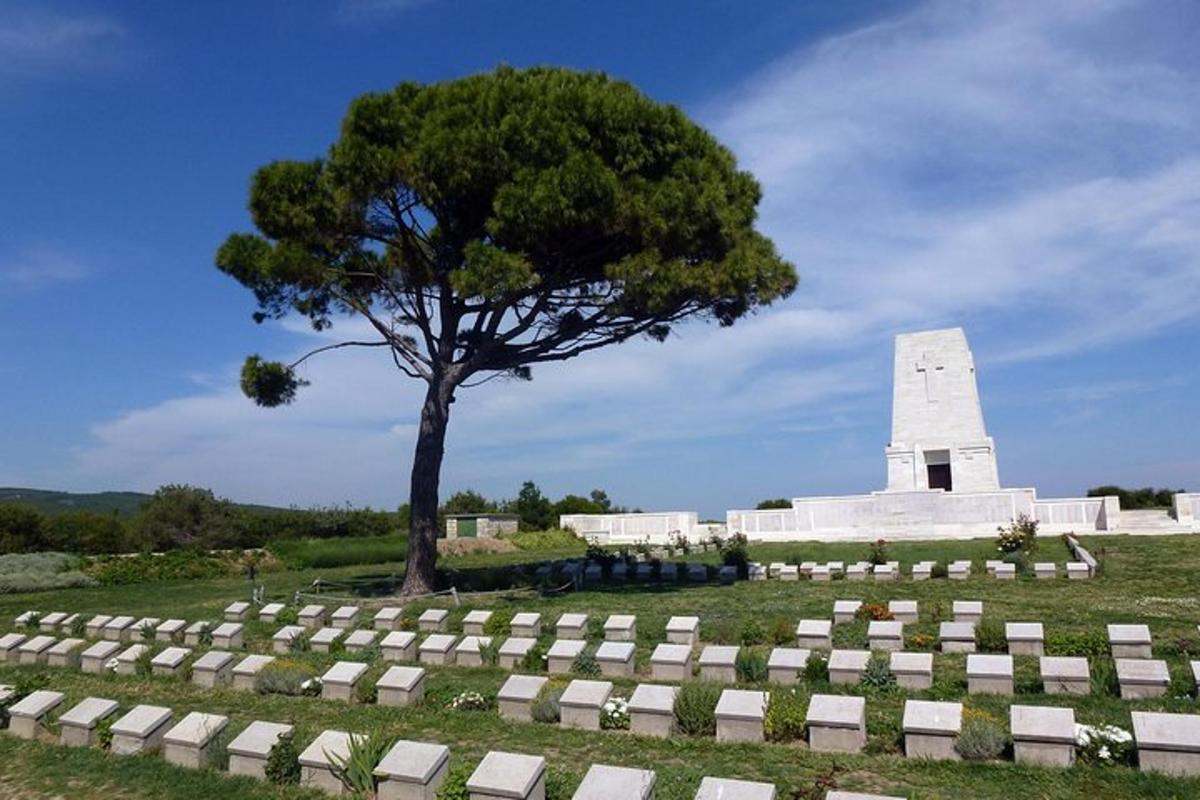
(468, 528)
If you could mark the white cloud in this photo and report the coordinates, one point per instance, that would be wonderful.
(35, 267)
(1030, 171)
(35, 41)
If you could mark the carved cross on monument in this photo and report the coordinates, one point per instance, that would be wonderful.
(932, 368)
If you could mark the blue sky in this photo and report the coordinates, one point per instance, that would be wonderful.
(1030, 171)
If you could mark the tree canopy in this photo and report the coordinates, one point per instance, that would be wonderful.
(486, 225)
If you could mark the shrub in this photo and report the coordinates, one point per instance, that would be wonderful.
(816, 668)
(939, 570)
(454, 787)
(980, 740)
(1104, 677)
(786, 713)
(585, 664)
(41, 572)
(873, 611)
(356, 770)
(285, 677)
(342, 552)
(879, 553)
(1019, 537)
(1104, 745)
(990, 636)
(546, 540)
(283, 762)
(535, 659)
(695, 709)
(470, 701)
(1076, 643)
(920, 641)
(614, 714)
(878, 673)
(753, 633)
(147, 632)
(783, 631)
(735, 552)
(547, 708)
(498, 624)
(1019, 560)
(79, 626)
(751, 666)
(489, 652)
(175, 565)
(104, 734)
(142, 666)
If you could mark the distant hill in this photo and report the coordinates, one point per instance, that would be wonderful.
(125, 504)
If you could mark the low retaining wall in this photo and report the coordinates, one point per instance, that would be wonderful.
(1186, 509)
(655, 528)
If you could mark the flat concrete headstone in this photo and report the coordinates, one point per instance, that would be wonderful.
(1167, 743)
(719, 663)
(188, 743)
(474, 621)
(250, 749)
(603, 782)
(50, 622)
(401, 686)
(671, 662)
(9, 643)
(989, 674)
(571, 626)
(837, 723)
(885, 634)
(169, 661)
(615, 658)
(740, 714)
(1043, 735)
(312, 616)
(193, 632)
(360, 640)
(34, 650)
(1142, 677)
(79, 723)
(214, 668)
(513, 651)
(930, 729)
(63, 653)
(847, 666)
(620, 628)
(562, 654)
(140, 731)
(438, 648)
(345, 617)
(317, 760)
(389, 618)
(1065, 675)
(237, 612)
(399, 646)
(93, 659)
(517, 694)
(118, 629)
(412, 770)
(527, 624)
(95, 625)
(339, 681)
(270, 612)
(904, 611)
(581, 701)
(228, 635)
(323, 640)
(845, 610)
(127, 659)
(1129, 641)
(785, 664)
(912, 670)
(169, 630)
(683, 630)
(433, 620)
(729, 789)
(246, 671)
(27, 716)
(652, 710)
(957, 637)
(508, 775)
(1025, 638)
(967, 610)
(815, 634)
(284, 638)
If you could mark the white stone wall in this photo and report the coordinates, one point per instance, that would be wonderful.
(657, 528)
(1187, 509)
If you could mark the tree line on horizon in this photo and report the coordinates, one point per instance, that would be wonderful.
(181, 517)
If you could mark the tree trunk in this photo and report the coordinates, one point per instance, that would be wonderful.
(420, 575)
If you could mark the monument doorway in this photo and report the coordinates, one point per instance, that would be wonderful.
(937, 468)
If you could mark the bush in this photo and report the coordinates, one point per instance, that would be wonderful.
(547, 708)
(816, 668)
(285, 677)
(41, 572)
(283, 762)
(1104, 677)
(1018, 559)
(786, 714)
(1019, 537)
(751, 666)
(585, 664)
(1073, 643)
(990, 636)
(981, 740)
(753, 633)
(328, 553)
(614, 714)
(939, 570)
(21, 529)
(454, 787)
(695, 709)
(783, 631)
(735, 552)
(1104, 745)
(535, 659)
(879, 553)
(546, 540)
(878, 674)
(873, 611)
(498, 624)
(177, 565)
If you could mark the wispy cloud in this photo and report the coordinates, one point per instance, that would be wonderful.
(35, 40)
(1030, 171)
(34, 268)
(355, 11)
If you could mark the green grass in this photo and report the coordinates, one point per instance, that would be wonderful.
(1145, 579)
(342, 552)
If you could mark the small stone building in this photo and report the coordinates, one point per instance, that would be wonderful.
(479, 526)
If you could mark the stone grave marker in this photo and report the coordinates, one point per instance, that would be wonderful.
(652, 710)
(140, 731)
(78, 725)
(190, 743)
(740, 714)
(837, 723)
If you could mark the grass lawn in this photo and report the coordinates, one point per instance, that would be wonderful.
(1145, 579)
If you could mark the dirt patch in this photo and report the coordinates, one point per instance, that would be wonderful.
(463, 547)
